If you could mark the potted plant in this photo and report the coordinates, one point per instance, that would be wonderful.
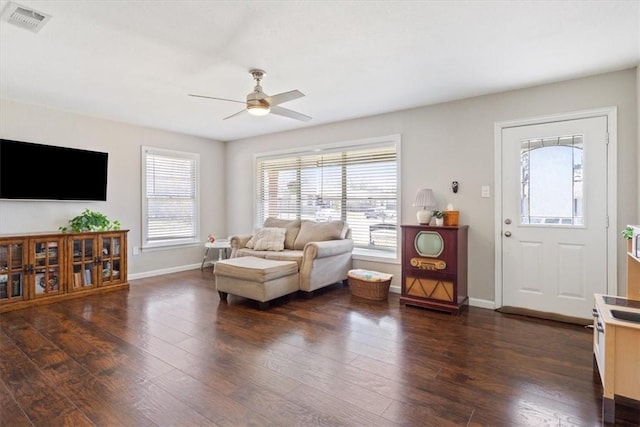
(439, 216)
(90, 221)
(627, 234)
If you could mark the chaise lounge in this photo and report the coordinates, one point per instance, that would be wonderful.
(284, 257)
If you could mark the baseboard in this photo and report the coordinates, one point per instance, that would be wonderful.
(473, 302)
(154, 273)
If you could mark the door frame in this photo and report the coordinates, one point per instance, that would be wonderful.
(612, 192)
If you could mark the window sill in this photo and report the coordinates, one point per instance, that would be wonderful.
(170, 244)
(361, 254)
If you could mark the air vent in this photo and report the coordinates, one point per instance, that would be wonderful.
(25, 17)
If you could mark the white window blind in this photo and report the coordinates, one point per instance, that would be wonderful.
(357, 184)
(170, 204)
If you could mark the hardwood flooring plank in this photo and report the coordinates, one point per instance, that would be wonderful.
(345, 413)
(282, 411)
(168, 352)
(43, 404)
(11, 413)
(160, 406)
(208, 401)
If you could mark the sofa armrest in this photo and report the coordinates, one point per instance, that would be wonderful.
(238, 242)
(313, 250)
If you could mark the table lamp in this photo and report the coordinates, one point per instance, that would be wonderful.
(426, 201)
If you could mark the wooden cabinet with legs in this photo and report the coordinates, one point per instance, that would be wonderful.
(48, 267)
(434, 267)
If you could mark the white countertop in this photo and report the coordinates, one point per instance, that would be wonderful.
(605, 311)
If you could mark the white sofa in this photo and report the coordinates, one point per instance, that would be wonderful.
(322, 250)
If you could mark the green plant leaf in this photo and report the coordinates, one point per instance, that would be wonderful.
(91, 221)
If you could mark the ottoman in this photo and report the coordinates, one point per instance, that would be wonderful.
(255, 278)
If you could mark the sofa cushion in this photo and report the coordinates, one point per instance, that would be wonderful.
(255, 269)
(291, 225)
(291, 255)
(268, 239)
(311, 231)
(251, 252)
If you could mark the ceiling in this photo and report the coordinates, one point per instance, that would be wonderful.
(137, 61)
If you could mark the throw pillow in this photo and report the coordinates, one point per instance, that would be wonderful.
(268, 239)
(292, 226)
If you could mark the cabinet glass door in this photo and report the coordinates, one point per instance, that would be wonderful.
(47, 258)
(83, 263)
(111, 259)
(12, 264)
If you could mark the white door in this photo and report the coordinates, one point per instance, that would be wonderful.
(554, 215)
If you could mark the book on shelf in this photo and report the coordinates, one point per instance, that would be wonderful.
(16, 285)
(77, 279)
(87, 277)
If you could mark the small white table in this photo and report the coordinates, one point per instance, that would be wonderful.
(221, 245)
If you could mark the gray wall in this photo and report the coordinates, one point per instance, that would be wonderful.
(122, 142)
(455, 141)
(440, 143)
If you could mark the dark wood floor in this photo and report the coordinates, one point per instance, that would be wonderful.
(168, 352)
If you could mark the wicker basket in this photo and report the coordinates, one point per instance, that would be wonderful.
(377, 290)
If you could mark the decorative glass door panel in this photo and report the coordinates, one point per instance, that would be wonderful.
(551, 181)
(12, 274)
(84, 263)
(47, 257)
(111, 259)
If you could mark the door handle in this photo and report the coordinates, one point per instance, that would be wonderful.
(507, 234)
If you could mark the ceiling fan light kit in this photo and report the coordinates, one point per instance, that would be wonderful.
(258, 110)
(260, 104)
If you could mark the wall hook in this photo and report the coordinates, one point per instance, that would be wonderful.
(454, 186)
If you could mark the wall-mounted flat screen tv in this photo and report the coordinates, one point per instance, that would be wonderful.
(31, 171)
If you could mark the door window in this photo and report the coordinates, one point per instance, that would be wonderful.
(551, 181)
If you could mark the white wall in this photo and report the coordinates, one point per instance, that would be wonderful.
(122, 142)
(441, 143)
(455, 141)
(638, 136)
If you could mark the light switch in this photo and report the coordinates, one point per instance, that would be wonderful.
(486, 191)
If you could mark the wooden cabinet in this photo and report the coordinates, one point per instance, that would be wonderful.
(434, 267)
(48, 267)
(616, 350)
(96, 260)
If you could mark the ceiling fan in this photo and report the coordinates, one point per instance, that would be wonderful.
(260, 104)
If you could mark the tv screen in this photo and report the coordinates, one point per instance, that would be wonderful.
(31, 171)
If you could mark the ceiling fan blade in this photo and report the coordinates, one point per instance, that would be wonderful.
(289, 113)
(284, 97)
(220, 99)
(235, 114)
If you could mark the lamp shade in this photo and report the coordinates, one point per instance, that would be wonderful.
(424, 200)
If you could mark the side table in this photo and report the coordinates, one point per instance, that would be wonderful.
(221, 245)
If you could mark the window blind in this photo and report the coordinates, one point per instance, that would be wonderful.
(355, 184)
(170, 196)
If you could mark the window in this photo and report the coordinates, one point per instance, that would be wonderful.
(356, 182)
(170, 197)
(551, 181)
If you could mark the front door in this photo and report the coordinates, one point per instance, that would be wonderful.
(554, 215)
